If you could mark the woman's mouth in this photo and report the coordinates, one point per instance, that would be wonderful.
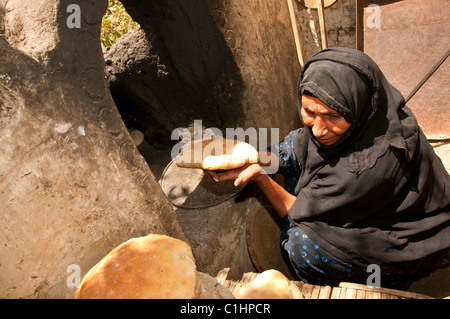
(326, 141)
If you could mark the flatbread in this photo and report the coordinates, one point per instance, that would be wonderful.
(216, 154)
(270, 284)
(153, 267)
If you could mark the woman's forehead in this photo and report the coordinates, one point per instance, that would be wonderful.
(313, 103)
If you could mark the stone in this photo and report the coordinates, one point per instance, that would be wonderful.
(67, 196)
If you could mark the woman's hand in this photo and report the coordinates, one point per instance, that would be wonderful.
(281, 200)
(240, 175)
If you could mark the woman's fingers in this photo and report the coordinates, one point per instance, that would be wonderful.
(223, 176)
(231, 175)
(240, 175)
(248, 173)
(209, 174)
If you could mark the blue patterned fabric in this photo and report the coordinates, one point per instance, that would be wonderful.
(289, 166)
(315, 265)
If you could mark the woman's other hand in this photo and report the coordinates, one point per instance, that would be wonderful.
(240, 175)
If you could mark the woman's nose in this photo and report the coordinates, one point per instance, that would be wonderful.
(319, 128)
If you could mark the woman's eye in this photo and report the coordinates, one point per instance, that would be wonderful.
(334, 116)
(309, 112)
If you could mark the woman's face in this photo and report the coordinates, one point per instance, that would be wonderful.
(327, 125)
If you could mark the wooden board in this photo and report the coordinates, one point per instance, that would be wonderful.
(313, 4)
(346, 290)
(407, 39)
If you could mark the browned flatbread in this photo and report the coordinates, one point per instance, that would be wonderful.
(154, 267)
(217, 154)
(270, 284)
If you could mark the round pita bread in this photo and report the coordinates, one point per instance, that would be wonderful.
(216, 154)
(270, 284)
(150, 267)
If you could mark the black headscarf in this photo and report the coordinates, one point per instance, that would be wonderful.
(379, 194)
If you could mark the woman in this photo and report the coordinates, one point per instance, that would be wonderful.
(369, 188)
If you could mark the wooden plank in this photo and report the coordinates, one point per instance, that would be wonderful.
(343, 293)
(312, 4)
(369, 295)
(298, 37)
(237, 287)
(323, 31)
(307, 290)
(231, 285)
(361, 294)
(335, 293)
(299, 284)
(325, 292)
(247, 277)
(315, 292)
(346, 290)
(386, 296)
(222, 275)
(378, 292)
(350, 293)
(376, 295)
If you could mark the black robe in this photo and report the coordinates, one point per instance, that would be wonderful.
(379, 195)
